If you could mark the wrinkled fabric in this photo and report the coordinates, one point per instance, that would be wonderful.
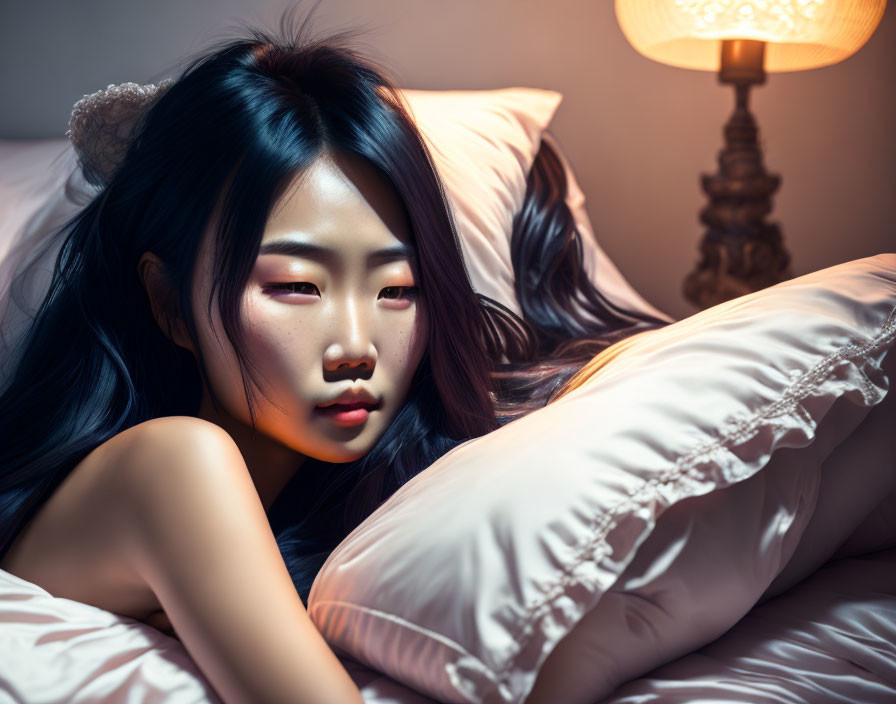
(708, 557)
(696, 574)
(467, 578)
(829, 640)
(60, 651)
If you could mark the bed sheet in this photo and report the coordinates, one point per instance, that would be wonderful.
(832, 638)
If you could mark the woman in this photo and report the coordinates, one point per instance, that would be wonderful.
(255, 333)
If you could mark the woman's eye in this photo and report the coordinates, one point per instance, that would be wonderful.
(296, 287)
(396, 292)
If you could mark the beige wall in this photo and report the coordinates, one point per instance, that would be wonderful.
(638, 132)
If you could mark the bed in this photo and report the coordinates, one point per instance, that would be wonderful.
(724, 534)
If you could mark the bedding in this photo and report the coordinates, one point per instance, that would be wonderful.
(832, 638)
(707, 586)
(59, 651)
(698, 448)
(483, 143)
(702, 564)
(94, 654)
(55, 650)
(829, 640)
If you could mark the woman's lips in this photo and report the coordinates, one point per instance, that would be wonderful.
(347, 415)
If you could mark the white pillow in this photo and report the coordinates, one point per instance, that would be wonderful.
(711, 558)
(829, 640)
(853, 514)
(483, 143)
(465, 580)
(41, 187)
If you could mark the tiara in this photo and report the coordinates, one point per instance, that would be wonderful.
(103, 123)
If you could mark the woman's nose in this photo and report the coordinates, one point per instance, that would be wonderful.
(351, 345)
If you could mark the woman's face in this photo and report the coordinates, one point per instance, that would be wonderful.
(330, 314)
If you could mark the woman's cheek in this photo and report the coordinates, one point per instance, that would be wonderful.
(273, 333)
(409, 342)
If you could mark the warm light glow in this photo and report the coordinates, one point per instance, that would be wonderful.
(764, 20)
(801, 34)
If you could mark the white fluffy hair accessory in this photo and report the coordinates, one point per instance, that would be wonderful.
(103, 123)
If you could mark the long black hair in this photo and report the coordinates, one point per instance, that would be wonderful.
(235, 128)
(566, 319)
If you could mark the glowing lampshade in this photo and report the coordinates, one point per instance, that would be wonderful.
(800, 34)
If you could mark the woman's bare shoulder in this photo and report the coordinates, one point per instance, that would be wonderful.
(172, 469)
(77, 544)
(169, 434)
(167, 453)
(203, 543)
(169, 504)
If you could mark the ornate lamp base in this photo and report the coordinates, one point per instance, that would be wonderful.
(739, 252)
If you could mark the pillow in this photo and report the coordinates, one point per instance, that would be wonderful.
(831, 639)
(709, 558)
(464, 581)
(853, 514)
(41, 187)
(483, 143)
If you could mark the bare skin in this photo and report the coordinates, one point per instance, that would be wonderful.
(166, 522)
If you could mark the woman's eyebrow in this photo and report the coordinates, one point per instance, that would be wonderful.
(325, 255)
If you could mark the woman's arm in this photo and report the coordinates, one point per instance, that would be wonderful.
(198, 535)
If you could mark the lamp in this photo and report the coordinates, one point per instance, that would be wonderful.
(743, 40)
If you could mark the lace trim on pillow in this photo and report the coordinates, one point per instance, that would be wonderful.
(739, 430)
